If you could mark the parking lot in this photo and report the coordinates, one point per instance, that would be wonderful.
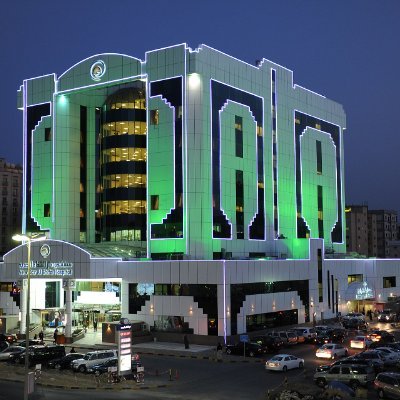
(171, 369)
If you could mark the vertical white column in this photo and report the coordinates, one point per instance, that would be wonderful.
(23, 305)
(68, 311)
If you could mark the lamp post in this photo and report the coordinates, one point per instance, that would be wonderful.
(28, 239)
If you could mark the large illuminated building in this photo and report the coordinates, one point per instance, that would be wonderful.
(190, 190)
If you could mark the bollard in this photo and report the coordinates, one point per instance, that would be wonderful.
(268, 397)
(170, 374)
(285, 383)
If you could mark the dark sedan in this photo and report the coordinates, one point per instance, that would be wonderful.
(250, 349)
(64, 362)
(330, 336)
(99, 369)
(270, 343)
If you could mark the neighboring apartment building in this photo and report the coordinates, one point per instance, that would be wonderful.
(382, 227)
(357, 229)
(10, 198)
(371, 232)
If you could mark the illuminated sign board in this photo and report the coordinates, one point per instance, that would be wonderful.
(124, 349)
(47, 268)
(364, 292)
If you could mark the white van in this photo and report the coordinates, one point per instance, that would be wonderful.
(309, 334)
(93, 358)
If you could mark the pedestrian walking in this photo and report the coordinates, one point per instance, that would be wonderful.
(41, 336)
(95, 326)
(55, 335)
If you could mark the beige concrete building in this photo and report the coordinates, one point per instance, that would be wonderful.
(357, 229)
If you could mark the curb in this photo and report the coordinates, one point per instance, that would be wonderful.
(92, 388)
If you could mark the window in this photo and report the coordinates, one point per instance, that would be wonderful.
(354, 278)
(154, 117)
(47, 134)
(389, 281)
(239, 205)
(319, 157)
(239, 136)
(154, 202)
(320, 213)
(46, 210)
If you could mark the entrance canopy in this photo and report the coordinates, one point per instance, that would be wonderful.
(360, 291)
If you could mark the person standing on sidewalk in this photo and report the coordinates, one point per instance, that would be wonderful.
(55, 335)
(186, 341)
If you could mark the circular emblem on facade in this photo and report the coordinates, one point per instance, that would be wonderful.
(45, 250)
(97, 70)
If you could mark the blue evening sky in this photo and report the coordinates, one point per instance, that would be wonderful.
(347, 50)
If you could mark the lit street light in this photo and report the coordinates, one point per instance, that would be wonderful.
(28, 239)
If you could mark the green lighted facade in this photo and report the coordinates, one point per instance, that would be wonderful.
(185, 154)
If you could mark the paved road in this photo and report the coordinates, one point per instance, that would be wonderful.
(192, 378)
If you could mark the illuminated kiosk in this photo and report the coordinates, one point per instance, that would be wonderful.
(191, 190)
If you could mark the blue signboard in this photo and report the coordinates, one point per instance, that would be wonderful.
(244, 338)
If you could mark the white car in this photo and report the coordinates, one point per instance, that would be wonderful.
(92, 358)
(283, 362)
(332, 350)
(360, 342)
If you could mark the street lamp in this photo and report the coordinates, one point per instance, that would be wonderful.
(28, 239)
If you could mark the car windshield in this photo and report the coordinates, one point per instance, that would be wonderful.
(291, 334)
(87, 357)
(360, 338)
(277, 358)
(327, 347)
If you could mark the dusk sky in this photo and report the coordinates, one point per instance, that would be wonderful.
(347, 50)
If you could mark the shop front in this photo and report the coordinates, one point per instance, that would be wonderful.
(360, 297)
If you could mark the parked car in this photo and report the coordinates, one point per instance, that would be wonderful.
(250, 349)
(376, 358)
(355, 324)
(304, 334)
(270, 343)
(8, 337)
(387, 316)
(41, 354)
(394, 345)
(32, 342)
(353, 375)
(300, 337)
(5, 354)
(3, 345)
(392, 357)
(288, 338)
(387, 385)
(92, 358)
(320, 328)
(348, 361)
(65, 362)
(360, 342)
(330, 336)
(352, 315)
(101, 368)
(283, 362)
(332, 350)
